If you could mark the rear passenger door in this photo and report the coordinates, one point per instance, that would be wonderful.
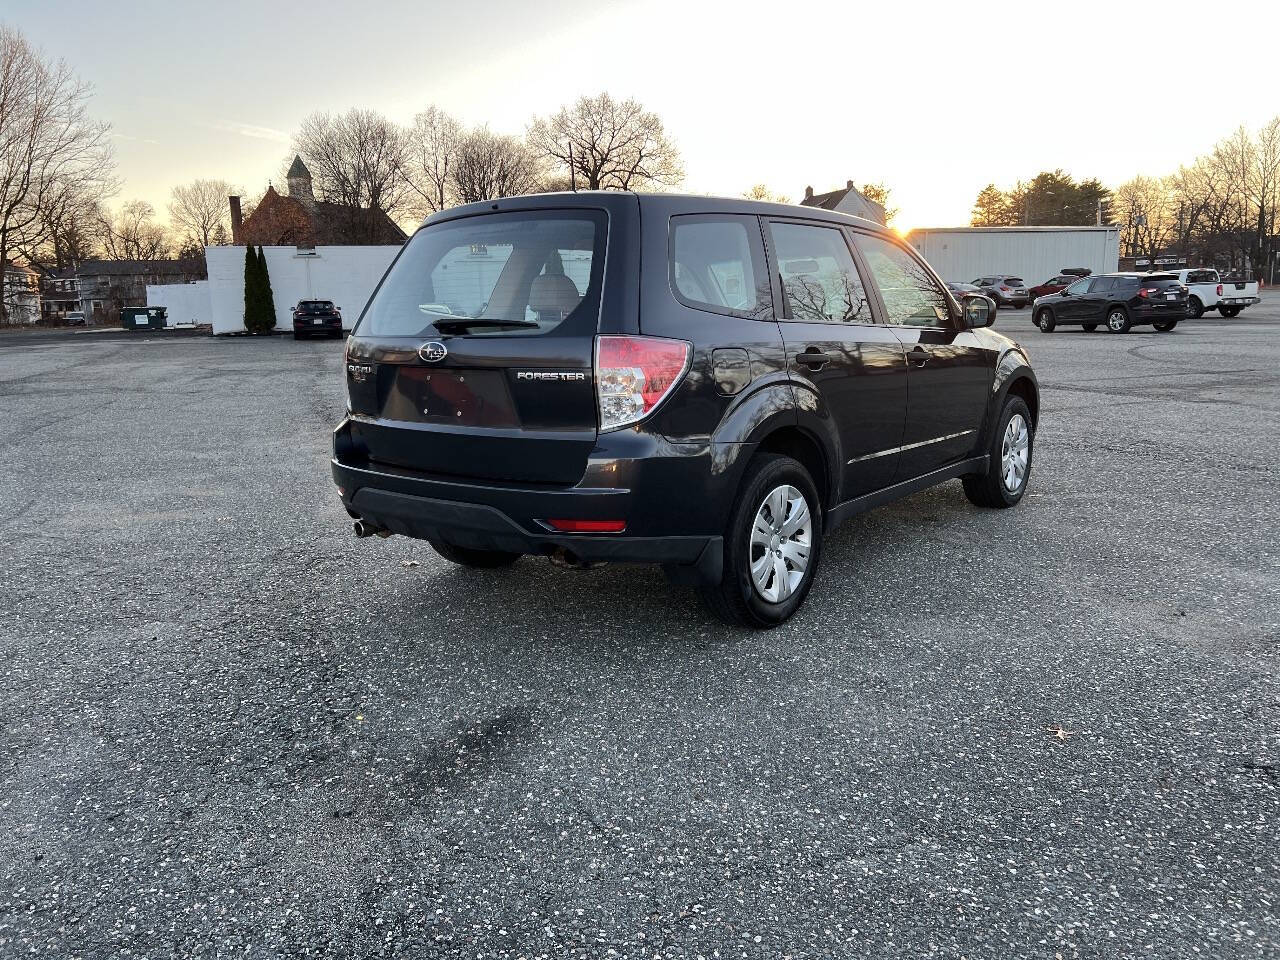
(1094, 308)
(950, 368)
(853, 367)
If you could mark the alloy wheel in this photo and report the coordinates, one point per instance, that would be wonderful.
(1116, 320)
(781, 541)
(1015, 452)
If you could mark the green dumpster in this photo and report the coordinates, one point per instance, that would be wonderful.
(143, 318)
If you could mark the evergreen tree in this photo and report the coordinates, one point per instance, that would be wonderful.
(251, 298)
(264, 290)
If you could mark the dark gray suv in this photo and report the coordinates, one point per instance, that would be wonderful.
(711, 385)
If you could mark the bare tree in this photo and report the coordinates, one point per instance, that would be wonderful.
(48, 143)
(356, 159)
(131, 233)
(430, 158)
(760, 191)
(491, 165)
(608, 144)
(199, 209)
(1147, 211)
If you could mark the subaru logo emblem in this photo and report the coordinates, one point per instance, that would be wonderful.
(432, 352)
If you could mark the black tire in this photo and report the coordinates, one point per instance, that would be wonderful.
(1090, 327)
(1195, 309)
(1045, 320)
(1118, 319)
(736, 600)
(1229, 312)
(988, 489)
(1164, 326)
(469, 557)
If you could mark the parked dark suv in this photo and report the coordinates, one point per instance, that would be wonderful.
(316, 318)
(712, 385)
(1120, 300)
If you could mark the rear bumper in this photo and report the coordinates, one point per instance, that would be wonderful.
(1238, 301)
(673, 497)
(325, 326)
(1158, 312)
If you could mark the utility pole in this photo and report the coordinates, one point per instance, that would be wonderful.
(573, 177)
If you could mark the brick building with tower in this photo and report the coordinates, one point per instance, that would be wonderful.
(298, 219)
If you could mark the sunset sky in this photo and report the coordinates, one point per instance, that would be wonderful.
(934, 99)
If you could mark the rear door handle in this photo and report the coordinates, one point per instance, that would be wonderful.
(813, 358)
(919, 355)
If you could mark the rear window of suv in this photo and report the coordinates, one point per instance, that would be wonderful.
(537, 271)
(315, 306)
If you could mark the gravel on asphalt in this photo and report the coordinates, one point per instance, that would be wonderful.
(231, 729)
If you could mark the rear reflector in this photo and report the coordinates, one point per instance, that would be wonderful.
(588, 526)
(634, 374)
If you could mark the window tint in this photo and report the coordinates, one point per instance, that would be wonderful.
(717, 264)
(1126, 283)
(1202, 276)
(911, 297)
(1080, 286)
(1015, 281)
(819, 279)
(537, 270)
(1103, 284)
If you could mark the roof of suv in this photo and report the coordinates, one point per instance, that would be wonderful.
(671, 203)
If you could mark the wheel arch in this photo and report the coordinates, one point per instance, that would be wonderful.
(802, 446)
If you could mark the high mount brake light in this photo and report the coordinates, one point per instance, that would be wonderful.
(634, 374)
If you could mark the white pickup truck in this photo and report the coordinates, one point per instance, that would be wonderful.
(1208, 291)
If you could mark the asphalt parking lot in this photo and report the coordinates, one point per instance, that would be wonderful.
(231, 729)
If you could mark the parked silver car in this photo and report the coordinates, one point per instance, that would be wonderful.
(1005, 290)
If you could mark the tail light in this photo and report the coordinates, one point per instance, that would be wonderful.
(634, 375)
(1219, 289)
(588, 526)
(1144, 293)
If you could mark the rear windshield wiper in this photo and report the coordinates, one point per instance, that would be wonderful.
(452, 324)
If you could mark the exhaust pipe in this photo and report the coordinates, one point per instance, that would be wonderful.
(568, 560)
(363, 528)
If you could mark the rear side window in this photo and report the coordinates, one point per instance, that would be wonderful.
(1104, 284)
(1202, 276)
(528, 273)
(819, 280)
(717, 264)
(911, 297)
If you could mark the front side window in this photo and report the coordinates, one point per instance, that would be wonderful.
(520, 274)
(716, 264)
(1080, 287)
(820, 282)
(910, 294)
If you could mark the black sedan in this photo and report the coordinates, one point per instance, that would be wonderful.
(1120, 300)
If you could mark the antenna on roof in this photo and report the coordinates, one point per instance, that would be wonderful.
(573, 178)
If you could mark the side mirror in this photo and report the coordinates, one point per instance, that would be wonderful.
(979, 311)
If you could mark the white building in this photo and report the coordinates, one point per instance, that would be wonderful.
(962, 254)
(345, 275)
(20, 287)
